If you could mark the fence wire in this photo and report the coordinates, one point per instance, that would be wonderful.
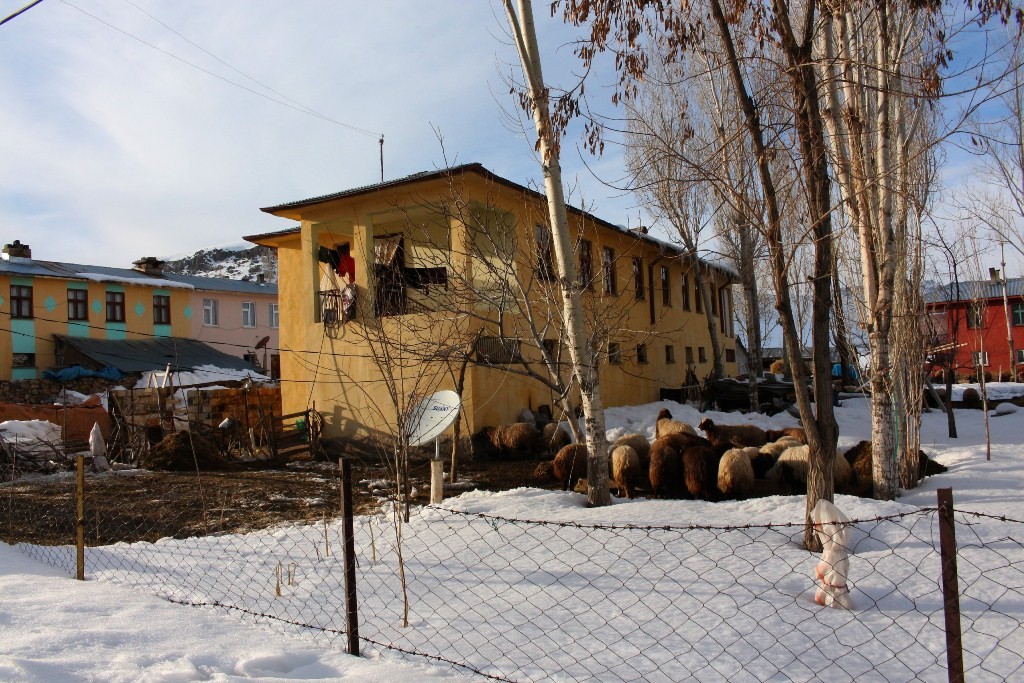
(529, 601)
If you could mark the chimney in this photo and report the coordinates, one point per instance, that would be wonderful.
(640, 229)
(150, 265)
(993, 274)
(261, 278)
(16, 250)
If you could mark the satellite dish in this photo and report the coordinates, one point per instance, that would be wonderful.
(432, 416)
(262, 342)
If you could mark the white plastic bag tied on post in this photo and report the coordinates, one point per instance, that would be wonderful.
(833, 570)
(98, 448)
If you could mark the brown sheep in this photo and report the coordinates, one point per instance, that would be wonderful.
(797, 433)
(700, 471)
(795, 459)
(776, 448)
(736, 473)
(625, 469)
(724, 437)
(517, 440)
(859, 458)
(570, 462)
(666, 425)
(639, 443)
(555, 438)
(666, 469)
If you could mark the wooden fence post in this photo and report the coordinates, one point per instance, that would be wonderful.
(950, 587)
(349, 541)
(80, 518)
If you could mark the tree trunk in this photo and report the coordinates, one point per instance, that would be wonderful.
(883, 465)
(748, 278)
(717, 368)
(572, 309)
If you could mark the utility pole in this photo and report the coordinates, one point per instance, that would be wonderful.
(1006, 310)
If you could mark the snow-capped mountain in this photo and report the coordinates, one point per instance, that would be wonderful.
(242, 261)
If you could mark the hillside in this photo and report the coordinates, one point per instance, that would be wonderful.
(234, 261)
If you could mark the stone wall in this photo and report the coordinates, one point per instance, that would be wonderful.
(44, 391)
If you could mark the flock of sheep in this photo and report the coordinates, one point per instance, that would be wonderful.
(729, 461)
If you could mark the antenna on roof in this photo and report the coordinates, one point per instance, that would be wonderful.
(382, 157)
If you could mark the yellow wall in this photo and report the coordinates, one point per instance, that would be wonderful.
(50, 316)
(337, 368)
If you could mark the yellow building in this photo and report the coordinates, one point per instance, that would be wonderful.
(453, 276)
(40, 300)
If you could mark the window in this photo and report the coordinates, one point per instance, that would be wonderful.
(210, 317)
(248, 314)
(980, 358)
(686, 292)
(975, 314)
(1020, 355)
(689, 355)
(713, 290)
(638, 277)
(730, 355)
(23, 360)
(273, 316)
(614, 353)
(641, 353)
(608, 270)
(78, 304)
(497, 351)
(1017, 313)
(161, 309)
(586, 266)
(698, 302)
(21, 301)
(551, 348)
(115, 307)
(666, 292)
(545, 263)
(670, 353)
(702, 355)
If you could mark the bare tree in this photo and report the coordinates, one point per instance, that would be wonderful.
(536, 99)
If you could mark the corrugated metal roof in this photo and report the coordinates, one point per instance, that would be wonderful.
(975, 289)
(77, 271)
(140, 355)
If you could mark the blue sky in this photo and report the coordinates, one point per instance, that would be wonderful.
(113, 150)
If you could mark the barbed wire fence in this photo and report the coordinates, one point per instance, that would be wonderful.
(519, 600)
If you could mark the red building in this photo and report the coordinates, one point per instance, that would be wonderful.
(968, 322)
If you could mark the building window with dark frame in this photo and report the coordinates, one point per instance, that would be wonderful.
(689, 355)
(975, 315)
(1020, 356)
(498, 351)
(641, 353)
(273, 317)
(614, 353)
(1017, 313)
(666, 287)
(730, 355)
(23, 360)
(608, 270)
(551, 349)
(638, 277)
(115, 307)
(586, 265)
(702, 355)
(161, 309)
(545, 253)
(21, 301)
(670, 353)
(698, 302)
(686, 292)
(78, 304)
(980, 358)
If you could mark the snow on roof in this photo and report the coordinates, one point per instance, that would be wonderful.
(151, 281)
(202, 374)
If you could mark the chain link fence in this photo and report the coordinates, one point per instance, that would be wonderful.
(520, 600)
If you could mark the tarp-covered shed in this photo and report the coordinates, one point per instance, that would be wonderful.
(141, 355)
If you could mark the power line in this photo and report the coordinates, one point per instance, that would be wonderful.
(21, 11)
(285, 102)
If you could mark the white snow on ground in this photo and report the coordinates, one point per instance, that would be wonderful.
(997, 391)
(32, 436)
(507, 598)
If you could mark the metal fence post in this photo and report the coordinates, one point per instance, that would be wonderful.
(80, 517)
(950, 587)
(348, 538)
